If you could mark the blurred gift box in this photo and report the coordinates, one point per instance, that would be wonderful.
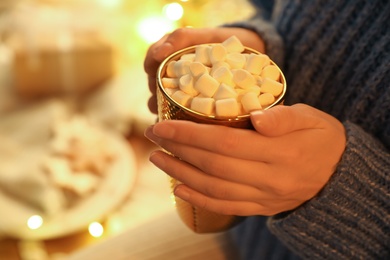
(65, 65)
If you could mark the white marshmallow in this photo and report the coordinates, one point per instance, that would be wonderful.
(171, 70)
(202, 54)
(186, 84)
(242, 92)
(225, 91)
(250, 102)
(182, 67)
(197, 69)
(226, 107)
(271, 71)
(233, 44)
(206, 85)
(182, 98)
(217, 52)
(243, 79)
(256, 62)
(203, 105)
(235, 60)
(223, 75)
(266, 99)
(271, 86)
(188, 56)
(170, 82)
(170, 91)
(219, 64)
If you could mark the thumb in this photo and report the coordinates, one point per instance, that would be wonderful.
(280, 120)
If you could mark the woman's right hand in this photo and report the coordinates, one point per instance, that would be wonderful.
(185, 37)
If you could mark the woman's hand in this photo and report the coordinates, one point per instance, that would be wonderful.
(285, 162)
(186, 37)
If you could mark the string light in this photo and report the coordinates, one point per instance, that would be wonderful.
(95, 229)
(153, 28)
(173, 11)
(34, 222)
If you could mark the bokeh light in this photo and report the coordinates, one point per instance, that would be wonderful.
(96, 229)
(173, 11)
(153, 28)
(34, 222)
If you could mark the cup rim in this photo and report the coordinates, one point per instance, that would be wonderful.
(176, 55)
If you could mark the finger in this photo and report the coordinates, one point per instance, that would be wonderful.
(281, 120)
(231, 169)
(233, 207)
(203, 183)
(152, 104)
(239, 143)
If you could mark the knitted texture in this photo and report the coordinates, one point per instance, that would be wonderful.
(336, 57)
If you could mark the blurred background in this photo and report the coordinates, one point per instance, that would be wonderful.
(73, 107)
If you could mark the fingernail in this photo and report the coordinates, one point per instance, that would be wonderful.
(163, 51)
(255, 116)
(164, 131)
(149, 134)
(157, 159)
(181, 192)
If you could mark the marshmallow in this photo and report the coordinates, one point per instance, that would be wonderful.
(225, 91)
(170, 69)
(203, 105)
(271, 71)
(266, 99)
(235, 60)
(182, 98)
(241, 92)
(227, 107)
(182, 67)
(219, 64)
(197, 69)
(223, 75)
(170, 91)
(202, 54)
(243, 79)
(186, 84)
(250, 102)
(170, 82)
(271, 86)
(217, 52)
(188, 56)
(233, 44)
(255, 63)
(206, 85)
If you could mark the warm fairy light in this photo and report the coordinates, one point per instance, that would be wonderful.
(173, 11)
(95, 229)
(153, 28)
(34, 222)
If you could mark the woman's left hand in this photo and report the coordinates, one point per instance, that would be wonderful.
(286, 161)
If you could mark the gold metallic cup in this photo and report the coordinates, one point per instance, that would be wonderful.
(197, 219)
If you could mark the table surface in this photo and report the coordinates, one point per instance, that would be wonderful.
(149, 198)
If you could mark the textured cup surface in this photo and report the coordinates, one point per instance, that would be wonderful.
(197, 219)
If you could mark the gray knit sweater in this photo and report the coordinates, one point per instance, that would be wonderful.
(336, 57)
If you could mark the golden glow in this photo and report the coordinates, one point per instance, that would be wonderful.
(173, 11)
(96, 229)
(153, 28)
(110, 3)
(34, 222)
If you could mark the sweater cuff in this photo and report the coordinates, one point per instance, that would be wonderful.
(349, 218)
(274, 46)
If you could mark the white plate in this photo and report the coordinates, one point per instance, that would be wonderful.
(112, 191)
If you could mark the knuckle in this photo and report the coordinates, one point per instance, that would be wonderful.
(229, 143)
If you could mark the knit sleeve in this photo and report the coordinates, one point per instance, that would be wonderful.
(350, 217)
